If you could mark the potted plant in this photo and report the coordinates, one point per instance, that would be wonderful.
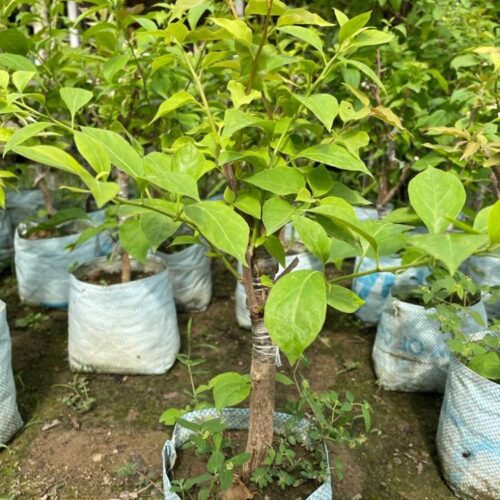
(468, 434)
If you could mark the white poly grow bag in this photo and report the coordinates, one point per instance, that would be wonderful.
(306, 261)
(125, 327)
(6, 247)
(10, 420)
(23, 204)
(468, 436)
(42, 266)
(410, 352)
(485, 270)
(191, 275)
(235, 418)
(375, 288)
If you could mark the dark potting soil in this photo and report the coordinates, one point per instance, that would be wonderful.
(170, 249)
(42, 234)
(105, 278)
(189, 465)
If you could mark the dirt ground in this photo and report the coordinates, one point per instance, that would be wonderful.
(113, 450)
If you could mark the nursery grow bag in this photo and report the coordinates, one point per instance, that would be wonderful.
(235, 418)
(23, 204)
(42, 266)
(125, 327)
(191, 275)
(5, 239)
(485, 270)
(375, 288)
(10, 420)
(468, 436)
(410, 352)
(306, 261)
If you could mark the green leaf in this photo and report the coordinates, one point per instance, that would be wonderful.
(236, 120)
(113, 65)
(334, 156)
(307, 35)
(172, 182)
(120, 152)
(494, 223)
(352, 26)
(276, 212)
(343, 299)
(216, 459)
(189, 160)
(22, 78)
(487, 365)
(22, 135)
(75, 99)
(341, 17)
(371, 37)
(301, 16)
(170, 416)
(261, 8)
(221, 226)
(133, 239)
(103, 192)
(283, 379)
(275, 248)
(248, 201)
(238, 30)
(14, 41)
(230, 389)
(387, 116)
(320, 180)
(16, 62)
(367, 71)
(450, 249)
(295, 311)
(314, 237)
(324, 106)
(178, 100)
(436, 196)
(278, 180)
(239, 96)
(94, 153)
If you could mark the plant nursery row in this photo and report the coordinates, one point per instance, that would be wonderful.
(249, 249)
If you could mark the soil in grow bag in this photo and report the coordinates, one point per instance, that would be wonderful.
(105, 278)
(189, 465)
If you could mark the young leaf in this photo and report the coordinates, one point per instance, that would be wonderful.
(314, 237)
(177, 101)
(230, 389)
(343, 299)
(324, 106)
(261, 7)
(295, 311)
(23, 134)
(94, 152)
(276, 212)
(75, 99)
(189, 160)
(239, 30)
(239, 96)
(306, 35)
(278, 180)
(334, 155)
(221, 226)
(352, 26)
(436, 196)
(301, 16)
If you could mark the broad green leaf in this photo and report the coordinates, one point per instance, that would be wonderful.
(334, 156)
(22, 78)
(113, 66)
(221, 226)
(278, 180)
(238, 30)
(133, 240)
(277, 212)
(103, 192)
(94, 153)
(170, 416)
(182, 5)
(314, 237)
(436, 196)
(487, 365)
(451, 249)
(178, 100)
(367, 71)
(14, 41)
(120, 152)
(348, 113)
(295, 311)
(343, 299)
(230, 389)
(341, 17)
(371, 37)
(301, 16)
(189, 160)
(352, 26)
(481, 220)
(16, 62)
(324, 106)
(307, 35)
(261, 7)
(239, 95)
(248, 201)
(494, 223)
(75, 99)
(235, 120)
(23, 134)
(275, 248)
(320, 180)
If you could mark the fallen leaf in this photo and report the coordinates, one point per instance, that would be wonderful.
(51, 424)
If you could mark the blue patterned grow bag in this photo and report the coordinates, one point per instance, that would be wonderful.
(236, 418)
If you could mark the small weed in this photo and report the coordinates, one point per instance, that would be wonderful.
(31, 320)
(79, 398)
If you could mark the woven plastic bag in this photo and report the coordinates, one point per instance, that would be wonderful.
(410, 352)
(375, 288)
(42, 266)
(468, 436)
(125, 327)
(485, 270)
(235, 418)
(6, 244)
(306, 261)
(191, 274)
(23, 204)
(10, 419)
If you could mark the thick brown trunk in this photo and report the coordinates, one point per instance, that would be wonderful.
(263, 370)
